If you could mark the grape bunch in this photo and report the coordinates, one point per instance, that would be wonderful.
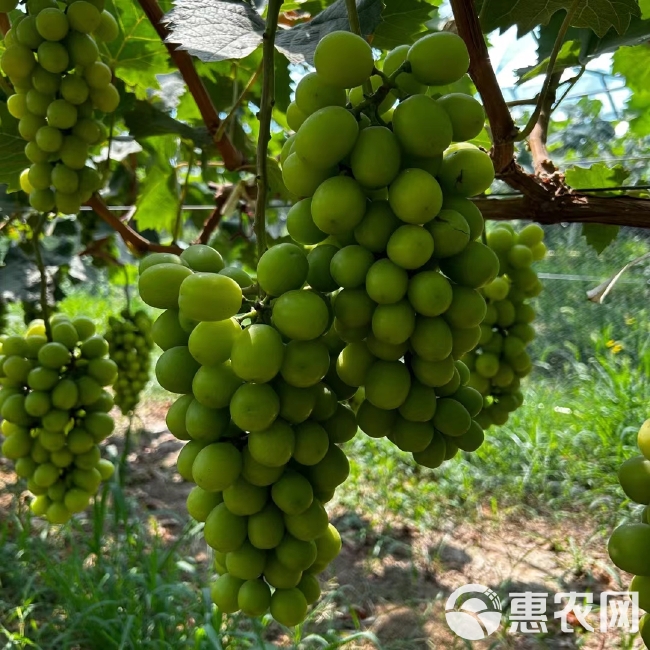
(130, 344)
(629, 544)
(55, 412)
(501, 360)
(262, 415)
(384, 202)
(60, 84)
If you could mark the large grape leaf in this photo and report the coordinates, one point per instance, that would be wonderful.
(402, 22)
(299, 42)
(597, 15)
(600, 175)
(137, 54)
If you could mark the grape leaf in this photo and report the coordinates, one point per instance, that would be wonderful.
(645, 8)
(599, 236)
(299, 42)
(216, 30)
(634, 64)
(597, 15)
(137, 54)
(157, 203)
(402, 22)
(568, 57)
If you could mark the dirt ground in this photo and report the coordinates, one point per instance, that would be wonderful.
(394, 581)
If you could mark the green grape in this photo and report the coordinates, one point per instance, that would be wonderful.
(393, 323)
(378, 224)
(627, 548)
(358, 95)
(431, 338)
(108, 29)
(319, 260)
(74, 152)
(475, 266)
(105, 99)
(466, 114)
(387, 384)
(44, 81)
(430, 293)
(254, 407)
(208, 296)
(375, 159)
(350, 265)
(311, 443)
(301, 226)
(300, 315)
(257, 354)
(466, 170)
(302, 179)
(159, 285)
(410, 247)
(313, 93)
(82, 48)
(74, 89)
(386, 283)
(305, 363)
(343, 59)
(422, 126)
(467, 308)
(27, 33)
(634, 478)
(53, 57)
(326, 137)
(176, 369)
(49, 139)
(224, 531)
(438, 59)
(450, 231)
(214, 386)
(17, 61)
(83, 16)
(61, 114)
(216, 466)
(411, 436)
(338, 205)
(266, 528)
(38, 103)
(64, 179)
(353, 363)
(29, 125)
(42, 200)
(17, 105)
(210, 343)
(52, 24)
(415, 196)
(272, 446)
(67, 203)
(295, 117)
(254, 597)
(420, 406)
(282, 268)
(434, 455)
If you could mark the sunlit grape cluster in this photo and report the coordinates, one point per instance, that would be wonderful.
(629, 544)
(130, 343)
(501, 360)
(55, 409)
(61, 88)
(262, 415)
(385, 204)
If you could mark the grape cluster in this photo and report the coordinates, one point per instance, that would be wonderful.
(385, 205)
(52, 60)
(630, 543)
(262, 415)
(501, 360)
(55, 413)
(130, 343)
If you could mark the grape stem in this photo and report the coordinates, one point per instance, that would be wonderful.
(36, 233)
(265, 115)
(376, 98)
(355, 26)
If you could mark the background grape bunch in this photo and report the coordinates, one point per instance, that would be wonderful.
(501, 360)
(52, 60)
(630, 543)
(385, 205)
(55, 413)
(261, 413)
(130, 344)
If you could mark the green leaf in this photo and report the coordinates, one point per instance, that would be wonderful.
(645, 8)
(137, 54)
(596, 176)
(403, 21)
(145, 120)
(568, 57)
(599, 236)
(157, 201)
(634, 64)
(12, 151)
(597, 15)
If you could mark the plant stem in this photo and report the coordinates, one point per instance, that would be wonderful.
(355, 26)
(265, 115)
(238, 102)
(566, 23)
(36, 233)
(181, 200)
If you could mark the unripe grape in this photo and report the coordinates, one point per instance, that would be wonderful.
(338, 205)
(53, 57)
(466, 170)
(466, 114)
(375, 159)
(343, 59)
(422, 126)
(52, 24)
(82, 48)
(108, 29)
(301, 178)
(49, 139)
(415, 196)
(313, 93)
(439, 59)
(282, 268)
(105, 99)
(83, 16)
